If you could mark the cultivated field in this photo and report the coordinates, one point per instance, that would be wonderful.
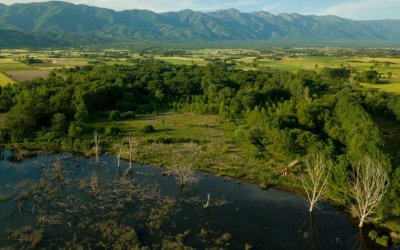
(182, 60)
(388, 68)
(13, 67)
(27, 75)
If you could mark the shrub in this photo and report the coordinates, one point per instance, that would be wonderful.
(4, 135)
(111, 130)
(373, 235)
(74, 130)
(128, 115)
(148, 129)
(383, 241)
(114, 115)
(59, 123)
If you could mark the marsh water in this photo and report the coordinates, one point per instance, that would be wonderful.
(67, 201)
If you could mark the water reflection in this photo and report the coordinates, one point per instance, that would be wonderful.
(311, 234)
(69, 201)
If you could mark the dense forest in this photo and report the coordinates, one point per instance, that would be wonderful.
(285, 114)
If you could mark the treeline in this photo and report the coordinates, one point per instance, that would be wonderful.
(285, 115)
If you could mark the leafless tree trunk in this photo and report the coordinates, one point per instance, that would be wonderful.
(131, 141)
(370, 183)
(97, 147)
(208, 201)
(120, 148)
(316, 178)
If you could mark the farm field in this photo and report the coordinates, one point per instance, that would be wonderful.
(182, 60)
(12, 67)
(253, 60)
(27, 75)
(388, 68)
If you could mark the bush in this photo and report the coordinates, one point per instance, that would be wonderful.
(148, 129)
(59, 123)
(111, 130)
(128, 115)
(373, 235)
(91, 130)
(4, 135)
(74, 130)
(383, 241)
(114, 115)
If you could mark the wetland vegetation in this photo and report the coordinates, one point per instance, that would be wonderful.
(70, 202)
(255, 115)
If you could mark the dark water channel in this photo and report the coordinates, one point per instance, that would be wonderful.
(65, 201)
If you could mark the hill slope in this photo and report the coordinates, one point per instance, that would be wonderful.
(16, 39)
(61, 20)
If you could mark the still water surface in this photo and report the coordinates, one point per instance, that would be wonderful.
(67, 202)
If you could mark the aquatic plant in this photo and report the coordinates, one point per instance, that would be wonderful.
(27, 237)
(115, 236)
(158, 214)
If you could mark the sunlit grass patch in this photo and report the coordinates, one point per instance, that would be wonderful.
(182, 60)
(4, 80)
(390, 87)
(208, 140)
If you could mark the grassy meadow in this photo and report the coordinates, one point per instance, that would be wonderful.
(4, 80)
(210, 141)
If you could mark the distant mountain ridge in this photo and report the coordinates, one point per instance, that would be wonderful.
(71, 24)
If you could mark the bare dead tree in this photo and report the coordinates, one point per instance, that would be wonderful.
(370, 183)
(94, 186)
(316, 178)
(120, 148)
(97, 147)
(208, 201)
(132, 142)
(183, 174)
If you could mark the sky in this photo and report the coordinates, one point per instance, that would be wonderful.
(353, 9)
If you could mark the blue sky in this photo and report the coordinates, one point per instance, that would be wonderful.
(354, 9)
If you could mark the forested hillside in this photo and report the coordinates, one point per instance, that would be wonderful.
(88, 24)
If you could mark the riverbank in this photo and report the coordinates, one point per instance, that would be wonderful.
(213, 145)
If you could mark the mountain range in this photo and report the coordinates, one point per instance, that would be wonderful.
(60, 23)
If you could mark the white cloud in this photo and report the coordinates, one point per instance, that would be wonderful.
(160, 5)
(353, 9)
(365, 9)
(276, 7)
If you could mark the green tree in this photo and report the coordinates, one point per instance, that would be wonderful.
(59, 123)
